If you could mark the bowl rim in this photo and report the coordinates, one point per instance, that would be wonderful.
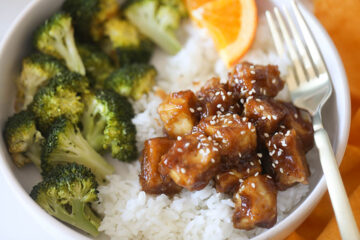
(56, 228)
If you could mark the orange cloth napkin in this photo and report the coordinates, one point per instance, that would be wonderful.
(342, 21)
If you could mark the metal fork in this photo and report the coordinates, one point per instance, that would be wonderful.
(310, 87)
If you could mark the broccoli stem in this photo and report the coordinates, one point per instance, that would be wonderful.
(77, 218)
(78, 150)
(34, 154)
(67, 49)
(146, 23)
(94, 133)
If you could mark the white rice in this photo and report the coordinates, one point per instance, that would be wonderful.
(128, 212)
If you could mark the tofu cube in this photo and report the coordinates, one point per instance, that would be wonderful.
(288, 159)
(255, 203)
(177, 112)
(255, 80)
(150, 179)
(191, 162)
(233, 134)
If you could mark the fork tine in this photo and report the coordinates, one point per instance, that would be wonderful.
(292, 50)
(300, 46)
(310, 42)
(280, 49)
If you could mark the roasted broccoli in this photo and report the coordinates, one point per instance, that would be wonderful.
(132, 80)
(158, 20)
(22, 138)
(120, 137)
(101, 109)
(89, 16)
(60, 97)
(125, 44)
(97, 64)
(65, 143)
(67, 194)
(37, 69)
(56, 38)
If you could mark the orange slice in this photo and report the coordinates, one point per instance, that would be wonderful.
(231, 24)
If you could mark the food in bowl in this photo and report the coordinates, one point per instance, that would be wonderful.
(71, 89)
(236, 134)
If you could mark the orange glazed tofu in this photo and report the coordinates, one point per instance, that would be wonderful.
(192, 161)
(234, 173)
(233, 134)
(177, 112)
(255, 80)
(150, 179)
(300, 121)
(288, 159)
(255, 203)
(215, 99)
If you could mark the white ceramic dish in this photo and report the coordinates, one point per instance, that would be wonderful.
(16, 45)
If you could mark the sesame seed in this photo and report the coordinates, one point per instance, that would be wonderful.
(217, 93)
(279, 152)
(187, 145)
(242, 132)
(269, 117)
(224, 141)
(281, 170)
(259, 161)
(223, 98)
(229, 93)
(231, 173)
(222, 109)
(261, 107)
(282, 126)
(252, 72)
(230, 122)
(253, 185)
(249, 125)
(212, 160)
(209, 138)
(179, 150)
(218, 106)
(257, 173)
(241, 189)
(252, 67)
(273, 165)
(199, 108)
(215, 149)
(253, 81)
(239, 154)
(165, 161)
(192, 110)
(273, 81)
(268, 176)
(242, 101)
(275, 146)
(263, 117)
(272, 153)
(259, 155)
(296, 116)
(179, 138)
(276, 162)
(218, 177)
(252, 130)
(183, 170)
(274, 117)
(243, 119)
(241, 181)
(283, 143)
(266, 135)
(252, 164)
(248, 170)
(212, 122)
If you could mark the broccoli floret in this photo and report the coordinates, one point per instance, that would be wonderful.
(65, 143)
(132, 80)
(97, 64)
(157, 20)
(56, 38)
(67, 195)
(37, 69)
(101, 109)
(125, 44)
(120, 137)
(22, 138)
(90, 15)
(60, 97)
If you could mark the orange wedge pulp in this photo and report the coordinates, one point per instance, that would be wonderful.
(231, 24)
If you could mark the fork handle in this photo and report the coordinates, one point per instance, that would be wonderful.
(340, 202)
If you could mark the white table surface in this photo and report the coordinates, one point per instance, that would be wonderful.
(15, 222)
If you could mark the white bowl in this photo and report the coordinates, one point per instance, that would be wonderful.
(17, 44)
